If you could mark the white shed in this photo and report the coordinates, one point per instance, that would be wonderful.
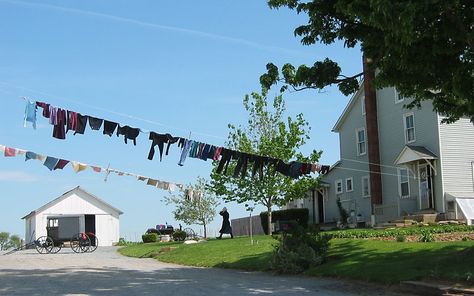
(84, 213)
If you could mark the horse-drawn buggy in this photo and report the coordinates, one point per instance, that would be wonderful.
(63, 231)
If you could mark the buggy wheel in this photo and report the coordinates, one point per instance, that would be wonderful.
(44, 245)
(56, 247)
(190, 234)
(94, 242)
(80, 243)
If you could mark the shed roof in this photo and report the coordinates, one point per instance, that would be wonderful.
(64, 195)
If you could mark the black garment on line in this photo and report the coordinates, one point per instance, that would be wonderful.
(226, 157)
(129, 133)
(242, 163)
(109, 127)
(59, 128)
(160, 140)
(95, 123)
(81, 124)
(324, 169)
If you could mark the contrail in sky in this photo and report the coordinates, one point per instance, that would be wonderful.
(157, 26)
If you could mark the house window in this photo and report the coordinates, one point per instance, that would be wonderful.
(362, 100)
(349, 183)
(338, 186)
(365, 186)
(409, 124)
(403, 183)
(360, 135)
(398, 97)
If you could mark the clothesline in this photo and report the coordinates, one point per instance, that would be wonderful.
(64, 120)
(54, 163)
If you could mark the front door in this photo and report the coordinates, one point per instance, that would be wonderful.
(426, 187)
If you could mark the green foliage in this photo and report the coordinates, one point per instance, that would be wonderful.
(8, 241)
(343, 215)
(427, 237)
(465, 239)
(415, 230)
(150, 238)
(267, 133)
(301, 216)
(401, 39)
(179, 235)
(190, 210)
(299, 250)
(401, 238)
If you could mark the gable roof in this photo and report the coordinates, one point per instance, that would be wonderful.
(64, 195)
(412, 153)
(348, 108)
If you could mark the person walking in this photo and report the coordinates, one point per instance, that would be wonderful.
(226, 228)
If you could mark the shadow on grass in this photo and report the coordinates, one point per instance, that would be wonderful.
(258, 262)
(391, 262)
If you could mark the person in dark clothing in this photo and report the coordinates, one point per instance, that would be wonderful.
(226, 228)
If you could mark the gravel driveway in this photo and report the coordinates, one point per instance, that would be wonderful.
(106, 272)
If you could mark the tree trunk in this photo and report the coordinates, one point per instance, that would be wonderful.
(205, 230)
(269, 220)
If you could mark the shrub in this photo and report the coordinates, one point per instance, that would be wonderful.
(342, 212)
(427, 237)
(150, 238)
(301, 216)
(299, 250)
(179, 235)
(465, 239)
(401, 238)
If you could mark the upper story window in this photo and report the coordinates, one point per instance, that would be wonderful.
(365, 186)
(349, 182)
(338, 184)
(360, 137)
(362, 102)
(409, 125)
(403, 183)
(398, 97)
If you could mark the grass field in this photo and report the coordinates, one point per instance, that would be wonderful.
(371, 260)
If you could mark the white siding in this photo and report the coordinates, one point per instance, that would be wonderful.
(457, 149)
(107, 229)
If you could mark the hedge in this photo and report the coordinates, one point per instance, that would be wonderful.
(301, 216)
(150, 238)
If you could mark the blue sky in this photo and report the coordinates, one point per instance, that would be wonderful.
(169, 66)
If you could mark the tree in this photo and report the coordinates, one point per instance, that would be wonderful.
(195, 207)
(423, 48)
(4, 240)
(266, 134)
(8, 241)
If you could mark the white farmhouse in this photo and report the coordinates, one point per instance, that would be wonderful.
(82, 211)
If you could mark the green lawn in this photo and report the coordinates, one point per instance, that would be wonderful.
(392, 262)
(380, 261)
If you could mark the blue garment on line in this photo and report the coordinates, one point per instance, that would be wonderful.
(50, 162)
(30, 113)
(184, 153)
(30, 155)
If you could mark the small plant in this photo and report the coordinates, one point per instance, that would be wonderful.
(179, 235)
(401, 238)
(150, 238)
(299, 249)
(465, 239)
(427, 237)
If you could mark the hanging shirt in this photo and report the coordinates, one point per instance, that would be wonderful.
(109, 127)
(71, 121)
(185, 151)
(45, 108)
(61, 164)
(30, 113)
(59, 131)
(217, 154)
(80, 124)
(128, 133)
(77, 166)
(159, 140)
(53, 115)
(95, 123)
(50, 162)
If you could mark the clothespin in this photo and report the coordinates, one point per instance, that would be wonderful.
(107, 172)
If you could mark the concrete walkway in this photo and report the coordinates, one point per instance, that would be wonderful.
(106, 272)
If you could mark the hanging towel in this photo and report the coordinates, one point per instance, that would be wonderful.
(61, 164)
(30, 113)
(30, 155)
(141, 178)
(95, 168)
(50, 162)
(77, 166)
(109, 127)
(80, 124)
(40, 157)
(95, 123)
(9, 152)
(172, 187)
(20, 152)
(152, 182)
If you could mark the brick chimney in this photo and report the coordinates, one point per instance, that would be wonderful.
(372, 133)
